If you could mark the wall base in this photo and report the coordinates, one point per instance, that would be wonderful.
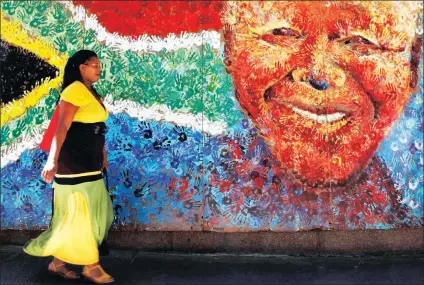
(307, 242)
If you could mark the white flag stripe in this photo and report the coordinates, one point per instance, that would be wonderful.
(144, 43)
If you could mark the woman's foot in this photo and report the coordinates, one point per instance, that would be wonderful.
(96, 274)
(58, 267)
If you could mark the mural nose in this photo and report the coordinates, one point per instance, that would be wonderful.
(319, 84)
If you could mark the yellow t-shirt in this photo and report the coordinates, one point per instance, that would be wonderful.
(90, 110)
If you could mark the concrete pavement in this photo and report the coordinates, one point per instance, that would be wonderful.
(136, 267)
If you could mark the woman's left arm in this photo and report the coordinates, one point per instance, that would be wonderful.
(104, 163)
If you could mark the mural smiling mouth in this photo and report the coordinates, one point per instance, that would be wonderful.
(297, 110)
(326, 118)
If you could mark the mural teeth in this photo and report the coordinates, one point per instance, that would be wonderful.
(322, 119)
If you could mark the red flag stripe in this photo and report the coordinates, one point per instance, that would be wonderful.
(156, 18)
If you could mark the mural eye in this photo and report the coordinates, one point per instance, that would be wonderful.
(286, 32)
(282, 36)
(20, 71)
(358, 40)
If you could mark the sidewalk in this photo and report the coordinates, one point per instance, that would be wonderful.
(135, 267)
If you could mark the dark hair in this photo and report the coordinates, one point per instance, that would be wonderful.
(72, 72)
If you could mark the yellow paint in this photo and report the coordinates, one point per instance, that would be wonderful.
(78, 175)
(14, 33)
(337, 160)
(17, 108)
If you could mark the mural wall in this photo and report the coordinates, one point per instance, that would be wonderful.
(234, 116)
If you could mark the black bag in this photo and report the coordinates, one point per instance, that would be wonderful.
(104, 248)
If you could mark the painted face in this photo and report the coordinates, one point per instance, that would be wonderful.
(322, 81)
(91, 70)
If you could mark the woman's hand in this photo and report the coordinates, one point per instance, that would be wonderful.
(49, 171)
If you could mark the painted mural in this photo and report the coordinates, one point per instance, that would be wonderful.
(226, 116)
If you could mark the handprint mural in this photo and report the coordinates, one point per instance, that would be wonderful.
(238, 115)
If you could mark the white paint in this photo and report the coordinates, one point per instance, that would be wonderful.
(144, 43)
(163, 113)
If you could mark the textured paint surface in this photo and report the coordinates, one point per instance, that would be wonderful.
(233, 116)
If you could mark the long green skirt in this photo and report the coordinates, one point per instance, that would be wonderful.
(81, 219)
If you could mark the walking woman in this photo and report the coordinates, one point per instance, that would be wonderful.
(83, 211)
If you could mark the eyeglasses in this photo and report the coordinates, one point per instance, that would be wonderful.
(96, 66)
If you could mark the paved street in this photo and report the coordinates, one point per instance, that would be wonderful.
(135, 267)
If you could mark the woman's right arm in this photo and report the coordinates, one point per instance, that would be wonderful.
(66, 116)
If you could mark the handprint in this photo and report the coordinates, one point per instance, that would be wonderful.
(191, 204)
(126, 178)
(10, 6)
(142, 191)
(257, 212)
(197, 186)
(58, 14)
(37, 162)
(47, 30)
(23, 16)
(74, 28)
(38, 21)
(20, 127)
(117, 211)
(26, 204)
(162, 144)
(29, 7)
(38, 184)
(192, 57)
(179, 86)
(189, 173)
(60, 43)
(52, 98)
(213, 205)
(41, 6)
(89, 37)
(59, 28)
(40, 117)
(145, 130)
(10, 186)
(5, 133)
(175, 162)
(30, 114)
(73, 38)
(182, 135)
(242, 216)
(124, 144)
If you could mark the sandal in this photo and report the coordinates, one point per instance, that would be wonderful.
(103, 279)
(68, 275)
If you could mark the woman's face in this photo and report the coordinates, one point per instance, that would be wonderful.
(323, 82)
(91, 70)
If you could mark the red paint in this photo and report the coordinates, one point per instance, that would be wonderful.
(235, 150)
(173, 184)
(48, 136)
(183, 182)
(258, 182)
(134, 18)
